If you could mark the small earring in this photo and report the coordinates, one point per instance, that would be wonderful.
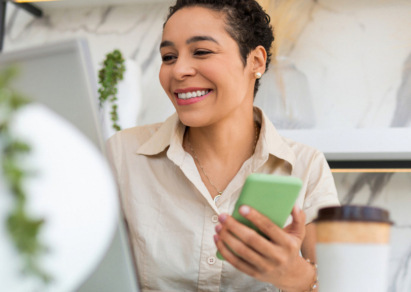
(257, 75)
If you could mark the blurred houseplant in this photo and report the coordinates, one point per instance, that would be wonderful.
(23, 228)
(109, 75)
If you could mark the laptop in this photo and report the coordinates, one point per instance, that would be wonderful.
(61, 77)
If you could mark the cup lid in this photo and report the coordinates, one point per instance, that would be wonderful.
(353, 213)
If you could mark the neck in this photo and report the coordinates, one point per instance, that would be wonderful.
(220, 150)
(225, 141)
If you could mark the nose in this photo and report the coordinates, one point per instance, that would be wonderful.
(183, 68)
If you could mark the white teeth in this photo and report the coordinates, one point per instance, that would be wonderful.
(197, 93)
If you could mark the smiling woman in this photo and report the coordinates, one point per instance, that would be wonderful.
(208, 62)
(180, 179)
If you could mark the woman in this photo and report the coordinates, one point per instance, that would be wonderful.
(180, 179)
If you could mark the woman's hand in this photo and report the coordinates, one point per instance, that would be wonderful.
(275, 260)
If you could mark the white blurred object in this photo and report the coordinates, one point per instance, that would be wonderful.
(129, 100)
(73, 190)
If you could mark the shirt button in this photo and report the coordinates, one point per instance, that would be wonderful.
(211, 260)
(214, 218)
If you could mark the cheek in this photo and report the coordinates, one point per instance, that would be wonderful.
(165, 81)
(163, 76)
(226, 74)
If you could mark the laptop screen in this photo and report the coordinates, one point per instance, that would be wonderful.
(61, 77)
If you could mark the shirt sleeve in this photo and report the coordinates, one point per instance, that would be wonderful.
(321, 190)
(113, 154)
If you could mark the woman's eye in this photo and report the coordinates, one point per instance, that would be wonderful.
(201, 52)
(167, 58)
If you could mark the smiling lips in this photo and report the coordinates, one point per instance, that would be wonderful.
(191, 95)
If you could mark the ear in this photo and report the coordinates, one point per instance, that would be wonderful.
(258, 59)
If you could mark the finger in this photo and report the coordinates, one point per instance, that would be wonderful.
(243, 249)
(233, 259)
(297, 226)
(243, 240)
(264, 224)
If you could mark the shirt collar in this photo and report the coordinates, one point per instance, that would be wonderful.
(271, 142)
(172, 130)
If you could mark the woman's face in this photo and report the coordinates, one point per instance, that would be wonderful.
(202, 71)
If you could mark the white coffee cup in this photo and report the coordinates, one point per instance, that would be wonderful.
(352, 249)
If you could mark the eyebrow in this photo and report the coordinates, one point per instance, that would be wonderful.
(201, 38)
(190, 41)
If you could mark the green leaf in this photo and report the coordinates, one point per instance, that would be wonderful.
(109, 76)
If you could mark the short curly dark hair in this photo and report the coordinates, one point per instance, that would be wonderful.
(247, 23)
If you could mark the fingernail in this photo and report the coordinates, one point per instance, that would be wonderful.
(218, 228)
(222, 218)
(244, 210)
(216, 238)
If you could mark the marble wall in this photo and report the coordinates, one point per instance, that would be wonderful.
(353, 55)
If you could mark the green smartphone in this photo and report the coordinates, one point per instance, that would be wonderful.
(272, 195)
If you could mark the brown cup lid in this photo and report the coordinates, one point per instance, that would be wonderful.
(353, 213)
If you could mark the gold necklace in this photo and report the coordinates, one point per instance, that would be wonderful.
(219, 193)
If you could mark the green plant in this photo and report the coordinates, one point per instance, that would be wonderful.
(111, 73)
(23, 228)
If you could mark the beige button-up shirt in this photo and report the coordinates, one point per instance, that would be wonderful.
(172, 216)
